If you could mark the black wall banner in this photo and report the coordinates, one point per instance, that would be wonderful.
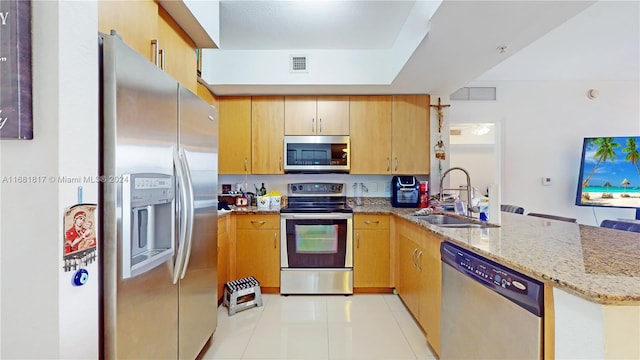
(16, 116)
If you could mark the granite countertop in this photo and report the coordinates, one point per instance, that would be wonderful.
(598, 264)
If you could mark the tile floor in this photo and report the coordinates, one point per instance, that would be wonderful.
(362, 326)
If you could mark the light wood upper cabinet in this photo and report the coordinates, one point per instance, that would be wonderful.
(135, 21)
(410, 144)
(234, 143)
(317, 115)
(370, 123)
(178, 51)
(267, 134)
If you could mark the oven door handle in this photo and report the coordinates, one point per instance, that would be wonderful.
(317, 216)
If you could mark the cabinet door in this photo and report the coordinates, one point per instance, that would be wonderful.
(135, 21)
(332, 115)
(300, 115)
(224, 253)
(267, 134)
(178, 51)
(408, 277)
(371, 258)
(430, 300)
(258, 255)
(370, 123)
(410, 135)
(235, 135)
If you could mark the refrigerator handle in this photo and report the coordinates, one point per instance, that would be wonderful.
(182, 216)
(191, 214)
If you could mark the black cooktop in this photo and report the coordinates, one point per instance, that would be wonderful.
(317, 204)
(317, 209)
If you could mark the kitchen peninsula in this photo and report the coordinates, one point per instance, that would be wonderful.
(593, 308)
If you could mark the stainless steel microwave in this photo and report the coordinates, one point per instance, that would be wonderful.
(316, 154)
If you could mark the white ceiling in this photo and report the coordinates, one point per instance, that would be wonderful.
(260, 25)
(372, 47)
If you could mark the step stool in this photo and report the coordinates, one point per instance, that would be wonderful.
(241, 289)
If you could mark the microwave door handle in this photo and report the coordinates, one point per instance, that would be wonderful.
(182, 215)
(190, 216)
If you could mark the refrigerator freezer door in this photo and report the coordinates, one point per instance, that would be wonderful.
(140, 314)
(198, 141)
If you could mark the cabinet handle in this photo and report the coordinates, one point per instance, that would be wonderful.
(320, 125)
(419, 261)
(245, 164)
(162, 56)
(413, 260)
(275, 242)
(357, 240)
(280, 163)
(369, 222)
(396, 164)
(155, 48)
(388, 164)
(261, 222)
(313, 125)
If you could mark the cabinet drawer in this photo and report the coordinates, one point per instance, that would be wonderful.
(371, 222)
(258, 222)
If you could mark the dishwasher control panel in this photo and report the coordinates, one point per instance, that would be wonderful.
(484, 271)
(509, 283)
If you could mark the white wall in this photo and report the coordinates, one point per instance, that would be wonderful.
(543, 125)
(42, 315)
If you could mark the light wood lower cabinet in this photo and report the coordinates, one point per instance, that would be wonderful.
(258, 248)
(419, 283)
(371, 261)
(224, 253)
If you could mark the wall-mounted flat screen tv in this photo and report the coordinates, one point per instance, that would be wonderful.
(610, 172)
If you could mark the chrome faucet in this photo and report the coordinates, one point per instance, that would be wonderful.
(468, 187)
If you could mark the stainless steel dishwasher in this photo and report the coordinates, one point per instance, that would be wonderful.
(488, 311)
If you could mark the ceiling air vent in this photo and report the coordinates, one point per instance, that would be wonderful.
(298, 64)
(474, 93)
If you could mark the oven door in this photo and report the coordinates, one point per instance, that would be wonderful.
(316, 241)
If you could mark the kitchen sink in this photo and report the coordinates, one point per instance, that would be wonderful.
(452, 222)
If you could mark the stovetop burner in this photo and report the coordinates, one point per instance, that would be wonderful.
(316, 198)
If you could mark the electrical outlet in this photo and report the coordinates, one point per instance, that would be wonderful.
(546, 181)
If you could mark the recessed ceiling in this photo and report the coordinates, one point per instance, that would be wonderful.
(260, 25)
(374, 47)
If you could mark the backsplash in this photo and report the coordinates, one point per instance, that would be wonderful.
(377, 185)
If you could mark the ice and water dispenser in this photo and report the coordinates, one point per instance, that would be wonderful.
(148, 212)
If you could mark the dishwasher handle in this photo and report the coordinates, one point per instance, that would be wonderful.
(520, 289)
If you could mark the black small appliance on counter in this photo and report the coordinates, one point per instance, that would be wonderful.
(405, 191)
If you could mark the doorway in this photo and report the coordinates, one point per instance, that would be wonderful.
(476, 148)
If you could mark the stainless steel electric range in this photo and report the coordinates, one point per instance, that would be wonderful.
(316, 240)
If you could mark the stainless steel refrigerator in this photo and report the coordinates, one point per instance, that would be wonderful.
(158, 211)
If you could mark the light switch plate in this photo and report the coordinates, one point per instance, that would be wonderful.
(546, 181)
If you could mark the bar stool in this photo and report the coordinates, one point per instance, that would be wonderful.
(512, 209)
(242, 294)
(554, 217)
